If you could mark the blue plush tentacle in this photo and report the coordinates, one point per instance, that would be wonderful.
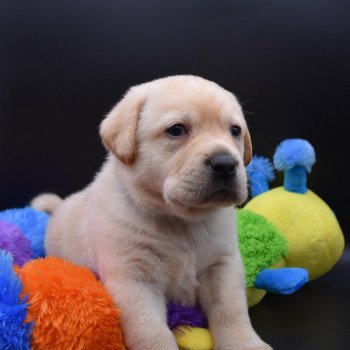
(260, 172)
(285, 280)
(295, 157)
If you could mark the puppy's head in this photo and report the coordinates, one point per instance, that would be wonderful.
(183, 143)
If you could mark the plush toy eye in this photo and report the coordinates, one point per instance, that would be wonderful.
(177, 130)
(235, 130)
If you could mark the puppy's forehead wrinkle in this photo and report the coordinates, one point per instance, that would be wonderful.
(194, 95)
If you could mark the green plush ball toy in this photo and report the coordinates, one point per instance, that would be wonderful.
(262, 247)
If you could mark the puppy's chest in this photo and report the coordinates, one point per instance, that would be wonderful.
(176, 256)
(184, 265)
(182, 280)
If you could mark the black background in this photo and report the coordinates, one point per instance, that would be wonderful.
(63, 64)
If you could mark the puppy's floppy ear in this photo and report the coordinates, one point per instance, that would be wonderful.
(248, 148)
(118, 129)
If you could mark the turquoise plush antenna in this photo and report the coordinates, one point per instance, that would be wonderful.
(260, 172)
(296, 158)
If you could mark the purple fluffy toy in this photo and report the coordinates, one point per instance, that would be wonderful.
(185, 316)
(12, 240)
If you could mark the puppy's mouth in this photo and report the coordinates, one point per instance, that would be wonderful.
(221, 194)
(201, 195)
(216, 198)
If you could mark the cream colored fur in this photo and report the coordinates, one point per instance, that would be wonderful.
(148, 225)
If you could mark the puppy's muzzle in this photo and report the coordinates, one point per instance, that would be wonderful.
(222, 166)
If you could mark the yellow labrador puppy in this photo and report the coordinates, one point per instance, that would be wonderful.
(158, 222)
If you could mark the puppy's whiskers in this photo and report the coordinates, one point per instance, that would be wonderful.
(257, 184)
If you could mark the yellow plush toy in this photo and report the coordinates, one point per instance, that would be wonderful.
(315, 239)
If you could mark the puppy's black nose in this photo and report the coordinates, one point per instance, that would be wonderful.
(223, 164)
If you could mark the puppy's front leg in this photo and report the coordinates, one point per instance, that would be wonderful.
(222, 297)
(143, 315)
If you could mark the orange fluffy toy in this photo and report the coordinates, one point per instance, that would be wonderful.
(55, 286)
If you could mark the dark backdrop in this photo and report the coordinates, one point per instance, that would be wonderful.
(63, 64)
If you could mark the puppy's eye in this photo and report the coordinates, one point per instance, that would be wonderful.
(177, 130)
(235, 130)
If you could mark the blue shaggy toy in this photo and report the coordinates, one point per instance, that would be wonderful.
(14, 332)
(260, 172)
(31, 223)
(296, 158)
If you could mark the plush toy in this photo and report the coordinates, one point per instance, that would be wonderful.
(263, 249)
(22, 233)
(68, 308)
(64, 306)
(14, 331)
(315, 239)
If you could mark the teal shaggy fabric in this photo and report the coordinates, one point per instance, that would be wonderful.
(260, 242)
